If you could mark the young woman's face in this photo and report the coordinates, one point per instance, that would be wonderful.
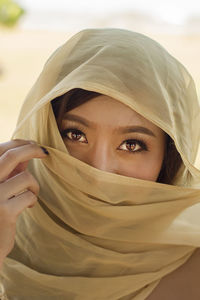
(112, 137)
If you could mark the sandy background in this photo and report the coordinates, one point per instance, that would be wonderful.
(24, 52)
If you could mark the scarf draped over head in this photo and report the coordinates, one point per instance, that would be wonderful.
(94, 234)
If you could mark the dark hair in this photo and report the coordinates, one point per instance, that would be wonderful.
(75, 97)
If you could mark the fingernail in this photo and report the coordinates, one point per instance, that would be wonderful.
(44, 150)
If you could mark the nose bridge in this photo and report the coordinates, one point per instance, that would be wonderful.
(102, 156)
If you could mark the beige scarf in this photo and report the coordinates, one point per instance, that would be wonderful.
(93, 234)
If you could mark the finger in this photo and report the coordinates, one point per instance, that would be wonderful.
(17, 184)
(13, 144)
(11, 158)
(21, 167)
(17, 204)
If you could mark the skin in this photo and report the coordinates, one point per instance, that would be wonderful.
(95, 133)
(18, 188)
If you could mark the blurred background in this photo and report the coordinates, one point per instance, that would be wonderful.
(30, 30)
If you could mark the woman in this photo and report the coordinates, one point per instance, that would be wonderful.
(117, 215)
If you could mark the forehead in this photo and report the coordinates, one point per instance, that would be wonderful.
(104, 110)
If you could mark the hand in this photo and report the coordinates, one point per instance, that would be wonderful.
(18, 187)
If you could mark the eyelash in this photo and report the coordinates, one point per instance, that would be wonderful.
(140, 142)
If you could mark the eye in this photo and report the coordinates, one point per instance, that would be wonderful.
(74, 135)
(133, 146)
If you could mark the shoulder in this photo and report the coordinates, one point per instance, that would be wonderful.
(183, 283)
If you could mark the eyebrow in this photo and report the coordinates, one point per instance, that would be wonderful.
(127, 129)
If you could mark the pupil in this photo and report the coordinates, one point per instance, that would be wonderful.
(131, 146)
(76, 135)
